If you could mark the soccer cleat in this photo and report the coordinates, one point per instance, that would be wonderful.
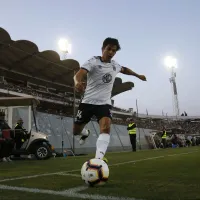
(84, 136)
(8, 159)
(4, 159)
(105, 160)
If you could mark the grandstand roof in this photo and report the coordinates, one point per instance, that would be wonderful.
(22, 57)
(18, 101)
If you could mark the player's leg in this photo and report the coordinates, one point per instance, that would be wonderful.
(82, 118)
(104, 117)
(78, 128)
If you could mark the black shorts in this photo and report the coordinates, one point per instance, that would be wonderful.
(87, 111)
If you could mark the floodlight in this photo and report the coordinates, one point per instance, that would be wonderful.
(170, 62)
(64, 45)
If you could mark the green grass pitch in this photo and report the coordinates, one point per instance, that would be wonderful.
(150, 175)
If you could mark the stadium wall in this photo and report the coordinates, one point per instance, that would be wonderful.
(56, 128)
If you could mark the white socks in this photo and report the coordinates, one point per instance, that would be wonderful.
(84, 132)
(101, 145)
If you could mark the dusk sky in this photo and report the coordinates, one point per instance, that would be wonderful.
(148, 30)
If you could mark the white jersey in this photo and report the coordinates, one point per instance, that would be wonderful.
(100, 80)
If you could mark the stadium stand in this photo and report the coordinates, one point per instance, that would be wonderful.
(27, 71)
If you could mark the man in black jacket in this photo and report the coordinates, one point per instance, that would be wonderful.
(20, 134)
(6, 142)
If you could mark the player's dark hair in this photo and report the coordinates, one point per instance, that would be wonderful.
(111, 41)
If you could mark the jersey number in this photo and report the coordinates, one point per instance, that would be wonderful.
(79, 114)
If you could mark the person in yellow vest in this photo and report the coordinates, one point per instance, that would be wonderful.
(132, 133)
(164, 138)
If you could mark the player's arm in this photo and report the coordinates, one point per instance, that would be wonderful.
(127, 71)
(79, 80)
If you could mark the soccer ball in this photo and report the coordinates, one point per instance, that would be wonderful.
(95, 172)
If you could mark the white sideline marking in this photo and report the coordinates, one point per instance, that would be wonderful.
(77, 189)
(67, 174)
(67, 193)
(39, 175)
(183, 153)
(152, 158)
(78, 170)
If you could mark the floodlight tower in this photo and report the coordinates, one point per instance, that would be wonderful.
(171, 63)
(65, 47)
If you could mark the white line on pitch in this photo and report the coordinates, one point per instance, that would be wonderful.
(77, 170)
(76, 189)
(37, 175)
(67, 174)
(151, 158)
(67, 193)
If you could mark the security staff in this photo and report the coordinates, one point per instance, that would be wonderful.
(132, 133)
(164, 138)
(20, 134)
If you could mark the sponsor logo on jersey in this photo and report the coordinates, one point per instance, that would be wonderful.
(107, 78)
(99, 66)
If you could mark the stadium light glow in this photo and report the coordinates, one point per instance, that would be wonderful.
(64, 45)
(170, 62)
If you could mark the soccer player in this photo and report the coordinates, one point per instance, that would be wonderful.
(100, 72)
